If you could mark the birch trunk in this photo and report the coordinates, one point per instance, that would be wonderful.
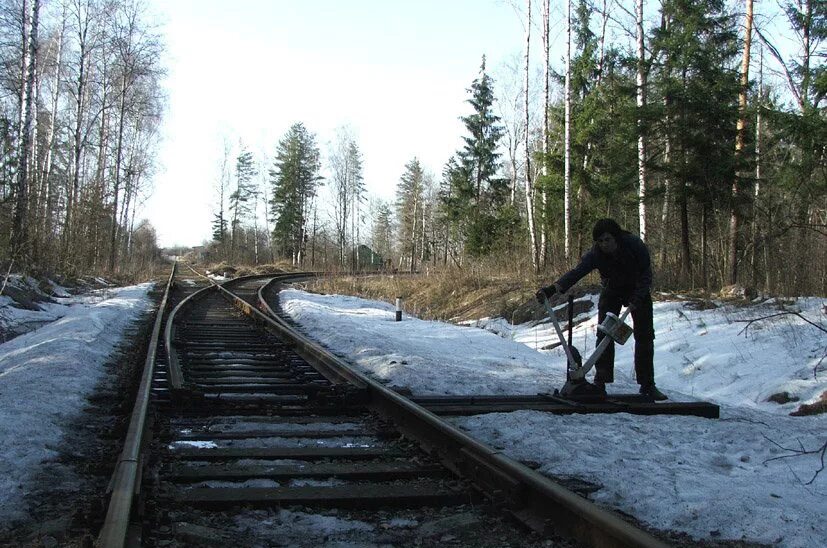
(78, 140)
(33, 169)
(265, 200)
(46, 206)
(25, 55)
(130, 190)
(19, 234)
(315, 226)
(113, 236)
(740, 137)
(423, 240)
(529, 191)
(546, 145)
(567, 139)
(641, 136)
(255, 232)
(667, 160)
(667, 191)
(413, 236)
(756, 228)
(601, 59)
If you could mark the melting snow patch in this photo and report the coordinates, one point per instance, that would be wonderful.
(193, 443)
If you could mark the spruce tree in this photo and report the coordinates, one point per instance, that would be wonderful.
(219, 228)
(356, 191)
(409, 203)
(382, 231)
(695, 71)
(473, 197)
(242, 199)
(479, 156)
(294, 179)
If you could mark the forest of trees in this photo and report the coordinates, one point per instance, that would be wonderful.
(699, 125)
(698, 133)
(81, 109)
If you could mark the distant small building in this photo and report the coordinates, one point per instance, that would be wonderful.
(368, 259)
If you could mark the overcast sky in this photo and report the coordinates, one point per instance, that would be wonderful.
(395, 72)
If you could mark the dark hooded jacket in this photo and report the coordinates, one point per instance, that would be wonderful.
(628, 272)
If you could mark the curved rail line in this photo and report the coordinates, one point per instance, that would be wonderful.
(333, 388)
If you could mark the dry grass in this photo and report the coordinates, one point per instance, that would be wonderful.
(446, 296)
(438, 296)
(249, 270)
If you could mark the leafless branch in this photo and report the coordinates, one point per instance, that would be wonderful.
(6, 279)
(777, 55)
(786, 312)
(800, 452)
(817, 365)
(746, 420)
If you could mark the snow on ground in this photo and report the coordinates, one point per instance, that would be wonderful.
(752, 474)
(430, 358)
(15, 320)
(46, 374)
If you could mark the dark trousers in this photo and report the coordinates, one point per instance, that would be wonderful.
(644, 330)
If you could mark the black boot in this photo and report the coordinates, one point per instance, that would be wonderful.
(652, 391)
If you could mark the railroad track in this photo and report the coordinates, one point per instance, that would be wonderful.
(239, 415)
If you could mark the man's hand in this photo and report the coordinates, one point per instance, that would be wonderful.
(544, 293)
(634, 303)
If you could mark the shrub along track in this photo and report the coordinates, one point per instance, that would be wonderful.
(239, 414)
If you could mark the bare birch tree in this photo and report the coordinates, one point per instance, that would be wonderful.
(567, 139)
(546, 136)
(85, 41)
(529, 189)
(641, 104)
(19, 237)
(136, 61)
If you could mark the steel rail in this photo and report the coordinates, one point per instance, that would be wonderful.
(125, 482)
(176, 376)
(532, 497)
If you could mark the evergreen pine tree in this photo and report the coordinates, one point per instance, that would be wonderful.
(294, 179)
(382, 232)
(409, 203)
(479, 156)
(219, 228)
(356, 191)
(473, 197)
(695, 71)
(242, 199)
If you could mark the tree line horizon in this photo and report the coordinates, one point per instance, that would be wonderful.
(692, 129)
(722, 178)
